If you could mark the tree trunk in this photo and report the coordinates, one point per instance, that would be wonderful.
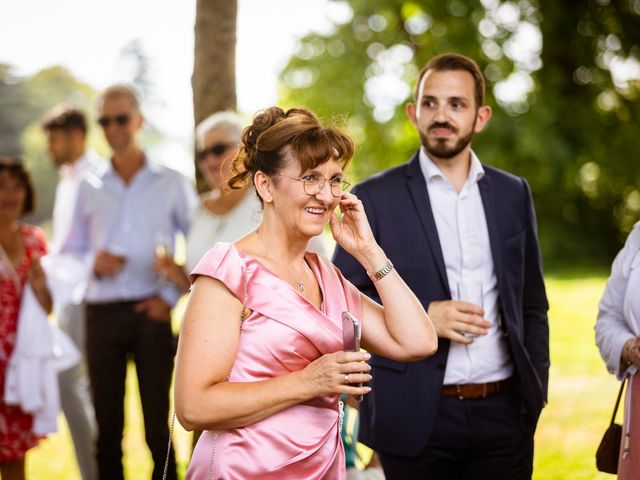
(214, 67)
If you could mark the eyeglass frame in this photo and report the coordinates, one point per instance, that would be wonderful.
(122, 119)
(344, 184)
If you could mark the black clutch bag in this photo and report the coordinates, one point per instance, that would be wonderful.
(609, 449)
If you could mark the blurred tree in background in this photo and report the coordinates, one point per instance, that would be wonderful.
(563, 78)
(214, 68)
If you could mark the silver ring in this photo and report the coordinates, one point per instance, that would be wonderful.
(346, 378)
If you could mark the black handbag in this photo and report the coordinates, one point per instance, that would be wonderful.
(609, 449)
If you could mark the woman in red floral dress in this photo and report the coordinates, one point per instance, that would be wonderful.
(21, 245)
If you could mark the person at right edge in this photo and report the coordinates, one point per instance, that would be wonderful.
(618, 338)
(463, 235)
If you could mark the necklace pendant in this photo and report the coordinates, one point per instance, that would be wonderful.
(301, 286)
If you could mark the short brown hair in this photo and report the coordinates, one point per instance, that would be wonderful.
(454, 61)
(64, 117)
(311, 143)
(120, 90)
(14, 167)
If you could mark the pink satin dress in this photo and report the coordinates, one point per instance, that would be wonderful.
(283, 334)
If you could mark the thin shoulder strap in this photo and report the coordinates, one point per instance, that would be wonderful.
(615, 409)
(243, 315)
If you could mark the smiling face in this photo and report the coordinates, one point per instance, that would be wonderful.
(13, 194)
(285, 195)
(120, 121)
(446, 115)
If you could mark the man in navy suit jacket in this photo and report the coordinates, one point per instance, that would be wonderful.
(463, 236)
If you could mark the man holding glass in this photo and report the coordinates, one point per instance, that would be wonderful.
(463, 236)
(120, 213)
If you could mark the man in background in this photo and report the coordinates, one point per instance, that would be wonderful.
(463, 236)
(66, 131)
(125, 213)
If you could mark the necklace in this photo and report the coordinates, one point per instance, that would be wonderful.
(299, 283)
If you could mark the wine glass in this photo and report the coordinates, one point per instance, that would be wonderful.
(470, 291)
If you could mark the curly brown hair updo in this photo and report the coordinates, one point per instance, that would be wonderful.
(273, 129)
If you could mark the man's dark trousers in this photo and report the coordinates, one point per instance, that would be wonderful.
(115, 333)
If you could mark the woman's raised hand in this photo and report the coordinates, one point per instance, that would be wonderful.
(352, 232)
(338, 373)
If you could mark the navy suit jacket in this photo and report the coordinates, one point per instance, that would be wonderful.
(398, 415)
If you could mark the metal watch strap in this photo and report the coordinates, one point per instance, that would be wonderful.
(383, 272)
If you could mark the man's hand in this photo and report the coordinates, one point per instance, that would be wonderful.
(452, 318)
(155, 308)
(108, 264)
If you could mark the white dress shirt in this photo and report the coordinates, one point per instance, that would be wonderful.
(66, 192)
(127, 219)
(464, 239)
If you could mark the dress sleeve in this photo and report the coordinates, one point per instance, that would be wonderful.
(223, 263)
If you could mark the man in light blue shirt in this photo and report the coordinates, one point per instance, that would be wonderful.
(124, 213)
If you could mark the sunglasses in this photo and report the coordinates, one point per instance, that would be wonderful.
(215, 150)
(121, 120)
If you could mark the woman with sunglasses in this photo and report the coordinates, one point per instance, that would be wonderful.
(21, 246)
(261, 360)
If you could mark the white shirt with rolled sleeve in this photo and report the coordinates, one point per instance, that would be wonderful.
(464, 239)
(619, 308)
(126, 219)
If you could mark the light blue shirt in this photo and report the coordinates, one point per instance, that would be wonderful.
(128, 220)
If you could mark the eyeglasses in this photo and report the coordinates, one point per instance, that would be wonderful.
(121, 120)
(216, 150)
(314, 183)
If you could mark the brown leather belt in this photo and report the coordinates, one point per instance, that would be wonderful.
(473, 390)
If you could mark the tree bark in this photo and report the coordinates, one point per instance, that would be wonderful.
(214, 67)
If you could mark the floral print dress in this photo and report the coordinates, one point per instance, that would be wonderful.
(16, 435)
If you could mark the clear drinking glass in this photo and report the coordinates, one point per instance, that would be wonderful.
(119, 250)
(163, 242)
(471, 291)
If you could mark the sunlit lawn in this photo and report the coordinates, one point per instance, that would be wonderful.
(580, 402)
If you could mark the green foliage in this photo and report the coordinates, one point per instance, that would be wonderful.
(570, 128)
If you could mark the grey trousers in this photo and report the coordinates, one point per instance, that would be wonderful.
(75, 395)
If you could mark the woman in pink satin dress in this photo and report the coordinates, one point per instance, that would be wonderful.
(260, 362)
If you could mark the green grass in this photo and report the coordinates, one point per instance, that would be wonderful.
(581, 397)
(581, 392)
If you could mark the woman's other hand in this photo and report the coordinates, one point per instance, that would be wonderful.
(166, 267)
(338, 373)
(630, 354)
